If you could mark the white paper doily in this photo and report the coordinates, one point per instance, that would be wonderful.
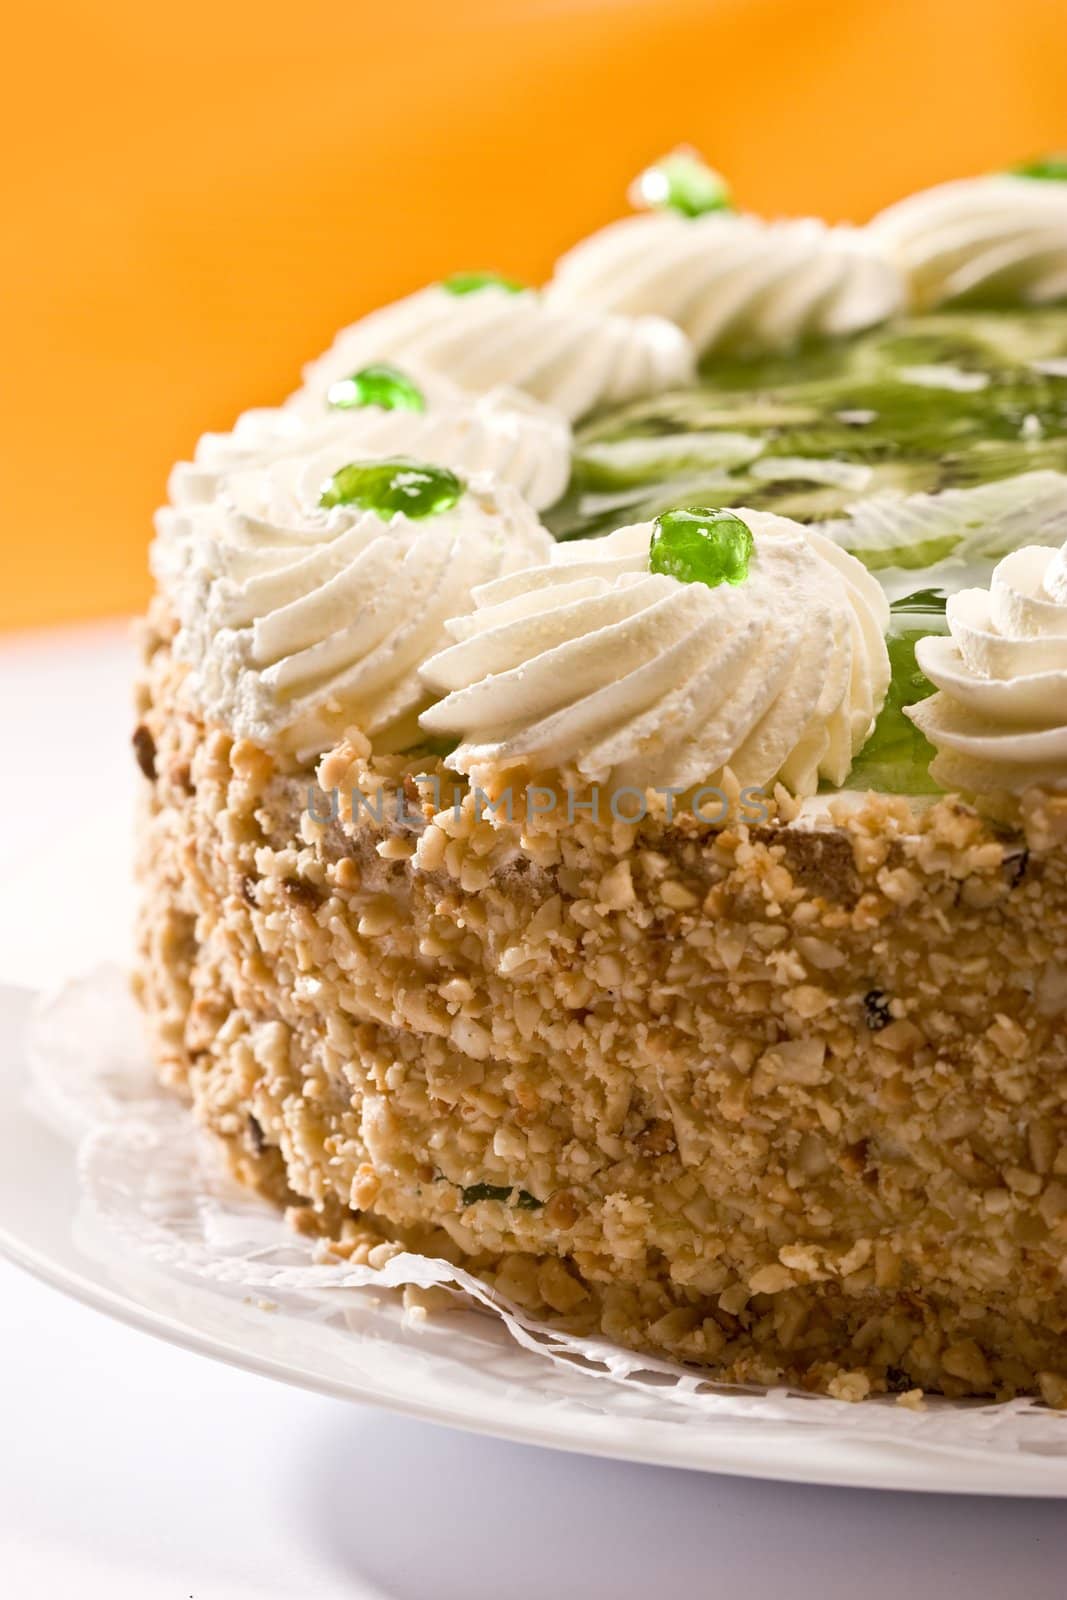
(156, 1198)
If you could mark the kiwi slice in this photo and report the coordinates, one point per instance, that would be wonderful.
(929, 448)
(948, 401)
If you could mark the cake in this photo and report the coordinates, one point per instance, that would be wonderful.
(605, 788)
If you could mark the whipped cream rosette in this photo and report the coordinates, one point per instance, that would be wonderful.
(999, 721)
(996, 240)
(773, 665)
(733, 282)
(574, 358)
(424, 416)
(309, 591)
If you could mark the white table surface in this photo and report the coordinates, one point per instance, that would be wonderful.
(132, 1469)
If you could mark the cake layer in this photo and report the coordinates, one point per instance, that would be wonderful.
(785, 1100)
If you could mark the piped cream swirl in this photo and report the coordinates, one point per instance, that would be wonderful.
(572, 357)
(503, 432)
(1000, 239)
(999, 721)
(733, 282)
(299, 622)
(590, 661)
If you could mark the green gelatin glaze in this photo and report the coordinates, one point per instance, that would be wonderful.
(896, 758)
(470, 283)
(415, 488)
(377, 385)
(682, 182)
(1051, 168)
(700, 545)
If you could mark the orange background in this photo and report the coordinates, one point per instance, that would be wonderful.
(196, 196)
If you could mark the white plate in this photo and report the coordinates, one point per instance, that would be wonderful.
(461, 1369)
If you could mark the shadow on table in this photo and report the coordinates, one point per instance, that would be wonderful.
(423, 1513)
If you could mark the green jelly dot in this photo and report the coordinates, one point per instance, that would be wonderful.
(684, 183)
(1053, 168)
(700, 545)
(376, 385)
(413, 487)
(471, 282)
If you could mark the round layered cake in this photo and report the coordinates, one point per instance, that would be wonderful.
(605, 803)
